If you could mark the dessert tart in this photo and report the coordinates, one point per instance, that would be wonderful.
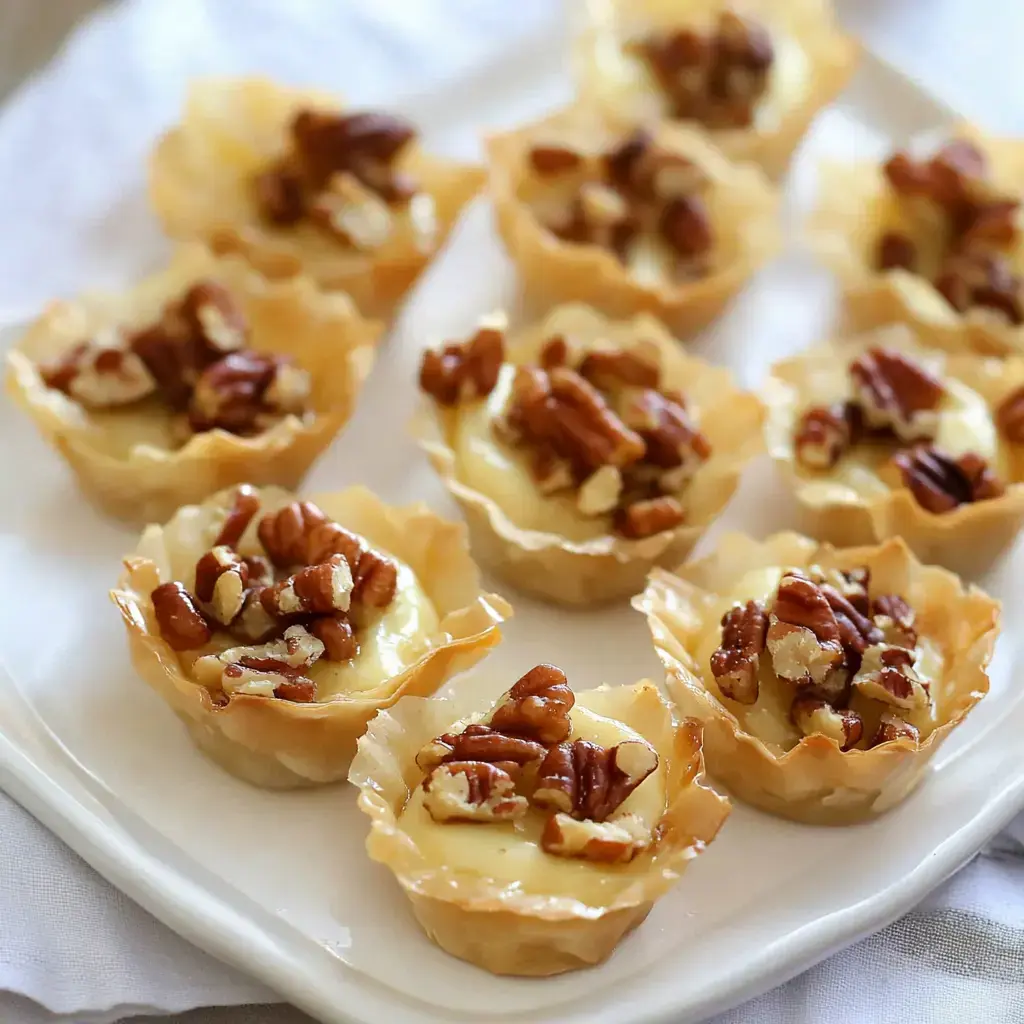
(825, 678)
(277, 628)
(532, 837)
(629, 219)
(584, 451)
(882, 438)
(753, 75)
(294, 182)
(931, 240)
(204, 375)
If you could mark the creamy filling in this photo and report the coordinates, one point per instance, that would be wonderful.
(768, 718)
(511, 854)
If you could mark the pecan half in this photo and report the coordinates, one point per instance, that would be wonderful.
(822, 437)
(895, 619)
(221, 581)
(336, 634)
(891, 727)
(685, 224)
(646, 518)
(940, 483)
(244, 506)
(471, 791)
(736, 661)
(887, 674)
(980, 276)
(99, 375)
(479, 742)
(182, 623)
(285, 534)
(896, 251)
(671, 438)
(466, 371)
(610, 369)
(896, 392)
(857, 631)
(536, 707)
(588, 781)
(279, 194)
(803, 636)
(320, 589)
(811, 716)
(1010, 416)
(605, 842)
(551, 160)
(212, 315)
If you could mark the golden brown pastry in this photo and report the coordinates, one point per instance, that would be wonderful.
(277, 628)
(295, 183)
(883, 438)
(531, 838)
(933, 240)
(629, 219)
(203, 375)
(753, 75)
(825, 678)
(584, 451)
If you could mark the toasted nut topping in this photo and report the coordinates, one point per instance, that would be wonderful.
(554, 353)
(253, 624)
(279, 195)
(464, 372)
(588, 781)
(221, 581)
(600, 492)
(244, 506)
(1010, 416)
(686, 225)
(813, 716)
(891, 727)
(822, 437)
(939, 483)
(284, 534)
(896, 252)
(181, 622)
(481, 743)
(471, 791)
(897, 392)
(551, 160)
(887, 674)
(895, 620)
(671, 438)
(735, 663)
(617, 368)
(212, 314)
(646, 518)
(982, 277)
(100, 375)
(606, 842)
(536, 707)
(353, 213)
(856, 631)
(336, 634)
(803, 635)
(317, 589)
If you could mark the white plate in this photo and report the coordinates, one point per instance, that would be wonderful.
(278, 884)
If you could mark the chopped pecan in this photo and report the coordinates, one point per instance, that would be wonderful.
(221, 580)
(857, 631)
(906, 176)
(479, 742)
(940, 483)
(471, 791)
(611, 369)
(286, 533)
(600, 216)
(895, 619)
(212, 315)
(822, 437)
(588, 781)
(736, 662)
(891, 727)
(253, 624)
(353, 213)
(336, 634)
(685, 224)
(646, 518)
(957, 174)
(319, 589)
(896, 251)
(599, 494)
(743, 57)
(550, 160)
(1010, 416)
(463, 372)
(555, 352)
(244, 506)
(536, 707)
(182, 623)
(606, 842)
(99, 375)
(896, 392)
(624, 163)
(803, 636)
(279, 194)
(992, 224)
(980, 276)
(671, 438)
(812, 715)
(887, 674)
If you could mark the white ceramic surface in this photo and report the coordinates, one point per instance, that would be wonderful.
(278, 883)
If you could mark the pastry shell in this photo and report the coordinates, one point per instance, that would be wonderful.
(502, 927)
(814, 781)
(968, 538)
(854, 204)
(830, 54)
(279, 744)
(550, 566)
(200, 187)
(144, 479)
(743, 204)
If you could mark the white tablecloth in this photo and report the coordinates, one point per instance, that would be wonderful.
(71, 945)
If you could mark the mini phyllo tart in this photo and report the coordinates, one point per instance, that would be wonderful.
(933, 241)
(584, 451)
(629, 220)
(277, 628)
(532, 837)
(825, 678)
(753, 76)
(204, 375)
(882, 438)
(294, 182)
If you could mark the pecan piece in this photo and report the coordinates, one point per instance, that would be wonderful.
(279, 194)
(99, 375)
(896, 392)
(336, 634)
(1010, 416)
(253, 624)
(896, 251)
(320, 589)
(891, 727)
(590, 782)
(822, 437)
(736, 661)
(536, 707)
(609, 369)
(212, 315)
(464, 372)
(221, 581)
(671, 438)
(244, 506)
(606, 842)
(811, 716)
(600, 492)
(353, 213)
(182, 623)
(895, 619)
(550, 160)
(887, 674)
(940, 483)
(646, 518)
(803, 635)
(478, 742)
(471, 791)
(686, 226)
(857, 631)
(981, 276)
(285, 534)
(555, 352)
